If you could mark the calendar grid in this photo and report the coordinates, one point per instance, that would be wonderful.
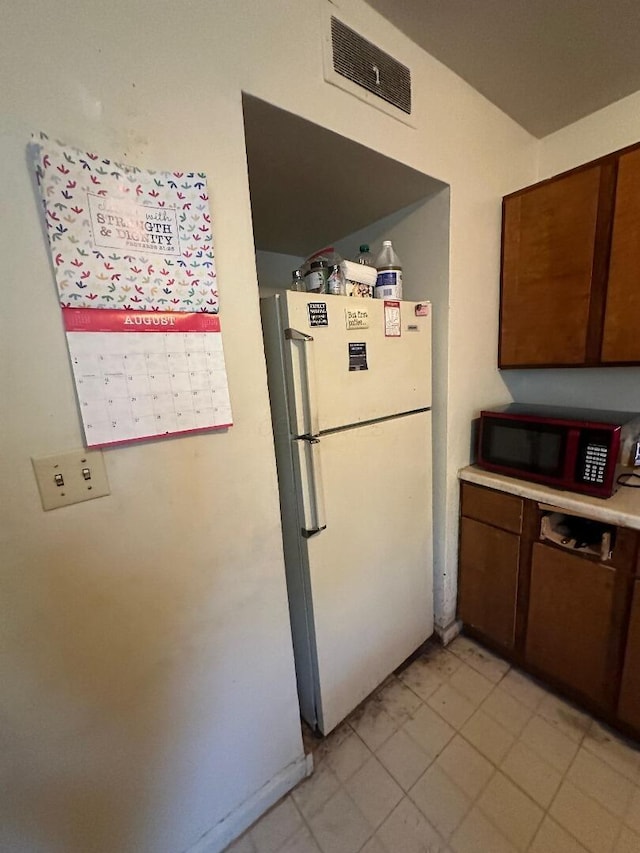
(134, 385)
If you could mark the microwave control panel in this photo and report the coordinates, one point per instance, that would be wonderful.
(595, 463)
(594, 450)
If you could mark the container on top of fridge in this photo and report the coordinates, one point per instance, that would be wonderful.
(360, 279)
(326, 272)
(389, 279)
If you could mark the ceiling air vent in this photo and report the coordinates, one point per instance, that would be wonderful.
(367, 66)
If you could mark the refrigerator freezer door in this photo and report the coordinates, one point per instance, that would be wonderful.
(346, 366)
(370, 570)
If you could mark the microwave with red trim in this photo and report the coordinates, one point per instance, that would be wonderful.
(581, 450)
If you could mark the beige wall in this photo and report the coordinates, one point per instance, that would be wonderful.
(148, 690)
(601, 132)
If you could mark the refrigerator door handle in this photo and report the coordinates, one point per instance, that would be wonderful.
(312, 493)
(295, 335)
(307, 369)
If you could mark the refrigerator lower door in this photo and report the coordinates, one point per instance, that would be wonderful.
(369, 572)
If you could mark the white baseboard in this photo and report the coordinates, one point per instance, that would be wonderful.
(448, 634)
(235, 823)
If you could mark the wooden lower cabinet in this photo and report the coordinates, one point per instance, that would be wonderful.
(488, 580)
(571, 617)
(570, 620)
(629, 704)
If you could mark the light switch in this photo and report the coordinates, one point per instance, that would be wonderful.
(68, 478)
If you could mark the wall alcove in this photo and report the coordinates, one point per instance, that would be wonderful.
(311, 187)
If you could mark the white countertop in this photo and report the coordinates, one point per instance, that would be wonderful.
(623, 509)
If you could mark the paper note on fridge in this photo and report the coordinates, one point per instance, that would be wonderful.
(358, 356)
(318, 315)
(356, 318)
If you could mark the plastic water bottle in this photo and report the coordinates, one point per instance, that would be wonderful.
(389, 280)
(365, 256)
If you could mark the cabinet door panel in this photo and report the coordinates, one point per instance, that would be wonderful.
(621, 341)
(629, 704)
(548, 254)
(570, 619)
(488, 580)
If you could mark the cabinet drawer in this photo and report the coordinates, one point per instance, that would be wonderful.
(496, 508)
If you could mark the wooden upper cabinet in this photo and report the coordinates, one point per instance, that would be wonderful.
(621, 339)
(549, 243)
(570, 291)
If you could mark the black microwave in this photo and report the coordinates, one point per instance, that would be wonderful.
(581, 450)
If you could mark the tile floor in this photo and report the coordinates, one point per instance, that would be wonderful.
(461, 753)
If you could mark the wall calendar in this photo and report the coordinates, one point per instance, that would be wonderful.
(143, 375)
(135, 271)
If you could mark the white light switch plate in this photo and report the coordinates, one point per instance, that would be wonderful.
(68, 478)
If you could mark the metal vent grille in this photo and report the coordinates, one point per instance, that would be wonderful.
(365, 64)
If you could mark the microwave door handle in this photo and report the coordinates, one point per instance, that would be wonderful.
(311, 487)
(308, 377)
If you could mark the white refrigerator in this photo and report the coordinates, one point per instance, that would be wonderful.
(350, 391)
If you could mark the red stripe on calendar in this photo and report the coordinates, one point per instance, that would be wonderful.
(116, 320)
(179, 432)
